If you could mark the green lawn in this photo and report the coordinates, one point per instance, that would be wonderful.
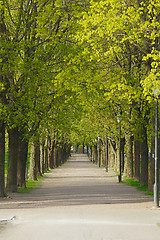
(31, 185)
(136, 184)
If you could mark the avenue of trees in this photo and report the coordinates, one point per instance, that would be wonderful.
(68, 71)
(36, 107)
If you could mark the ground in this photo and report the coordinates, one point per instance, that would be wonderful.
(80, 201)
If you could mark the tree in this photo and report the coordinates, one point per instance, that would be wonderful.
(2, 159)
(2, 100)
(34, 60)
(126, 37)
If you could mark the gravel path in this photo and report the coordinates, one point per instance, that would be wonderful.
(80, 201)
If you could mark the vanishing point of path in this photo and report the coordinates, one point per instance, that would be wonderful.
(79, 201)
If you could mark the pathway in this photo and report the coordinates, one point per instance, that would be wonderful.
(79, 201)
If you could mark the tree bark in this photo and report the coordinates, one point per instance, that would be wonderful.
(22, 162)
(103, 152)
(56, 159)
(37, 158)
(137, 160)
(2, 125)
(122, 152)
(60, 153)
(83, 147)
(91, 153)
(144, 158)
(50, 156)
(117, 165)
(99, 153)
(46, 155)
(109, 155)
(96, 154)
(32, 170)
(12, 159)
(129, 158)
(42, 165)
(2, 159)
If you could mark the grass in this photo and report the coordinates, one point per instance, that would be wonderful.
(31, 185)
(136, 184)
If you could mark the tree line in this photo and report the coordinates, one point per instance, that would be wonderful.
(35, 105)
(67, 70)
(120, 48)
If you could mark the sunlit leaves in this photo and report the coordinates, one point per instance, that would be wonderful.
(120, 38)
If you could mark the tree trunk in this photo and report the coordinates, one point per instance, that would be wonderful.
(60, 154)
(96, 154)
(46, 155)
(77, 146)
(106, 154)
(137, 160)
(12, 160)
(103, 152)
(112, 155)
(37, 158)
(63, 156)
(32, 170)
(109, 155)
(83, 147)
(68, 150)
(2, 125)
(129, 158)
(42, 165)
(151, 176)
(51, 157)
(144, 158)
(57, 156)
(132, 138)
(117, 165)
(56, 160)
(87, 149)
(2, 159)
(99, 153)
(54, 154)
(22, 162)
(91, 149)
(122, 152)
(65, 152)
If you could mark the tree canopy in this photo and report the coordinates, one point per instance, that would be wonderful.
(74, 66)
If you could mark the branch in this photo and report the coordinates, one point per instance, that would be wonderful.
(8, 8)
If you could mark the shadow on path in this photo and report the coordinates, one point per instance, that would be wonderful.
(77, 182)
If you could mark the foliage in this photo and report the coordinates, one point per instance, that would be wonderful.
(73, 66)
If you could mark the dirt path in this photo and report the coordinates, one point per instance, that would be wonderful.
(80, 201)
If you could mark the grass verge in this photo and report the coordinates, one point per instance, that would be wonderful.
(136, 184)
(31, 185)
